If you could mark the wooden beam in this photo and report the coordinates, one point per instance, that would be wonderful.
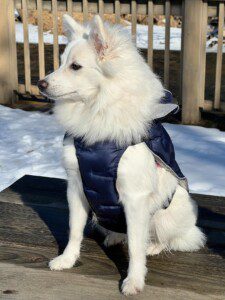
(85, 10)
(55, 35)
(117, 11)
(41, 49)
(167, 45)
(13, 50)
(142, 8)
(134, 20)
(33, 89)
(101, 8)
(208, 105)
(191, 71)
(26, 46)
(70, 7)
(204, 29)
(181, 57)
(219, 58)
(150, 32)
(8, 60)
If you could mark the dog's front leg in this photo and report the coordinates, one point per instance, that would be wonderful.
(136, 183)
(78, 213)
(137, 216)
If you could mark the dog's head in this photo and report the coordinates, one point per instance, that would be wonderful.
(105, 81)
(81, 72)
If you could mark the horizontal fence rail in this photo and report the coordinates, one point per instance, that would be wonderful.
(194, 14)
(93, 7)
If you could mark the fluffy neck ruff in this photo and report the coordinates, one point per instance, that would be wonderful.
(122, 109)
(124, 120)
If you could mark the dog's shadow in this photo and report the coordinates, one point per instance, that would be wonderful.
(213, 225)
(47, 198)
(117, 254)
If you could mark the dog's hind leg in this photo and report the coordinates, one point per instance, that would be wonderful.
(78, 213)
(155, 248)
(193, 240)
(114, 238)
(175, 228)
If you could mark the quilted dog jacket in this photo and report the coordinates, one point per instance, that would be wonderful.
(98, 166)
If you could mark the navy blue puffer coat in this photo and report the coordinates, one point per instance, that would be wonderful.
(98, 166)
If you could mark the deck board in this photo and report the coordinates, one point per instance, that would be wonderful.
(34, 228)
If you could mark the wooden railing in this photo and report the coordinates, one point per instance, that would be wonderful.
(194, 14)
(217, 98)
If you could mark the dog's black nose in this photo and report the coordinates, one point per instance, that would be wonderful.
(42, 85)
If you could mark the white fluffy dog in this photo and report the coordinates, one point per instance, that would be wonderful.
(105, 91)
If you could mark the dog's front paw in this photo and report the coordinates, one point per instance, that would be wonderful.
(61, 262)
(132, 286)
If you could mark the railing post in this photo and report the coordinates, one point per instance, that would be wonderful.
(8, 62)
(191, 61)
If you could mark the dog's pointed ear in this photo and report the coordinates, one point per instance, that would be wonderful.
(97, 36)
(71, 28)
(162, 110)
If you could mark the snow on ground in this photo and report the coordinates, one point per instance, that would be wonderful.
(31, 143)
(33, 35)
(142, 37)
(200, 154)
(158, 37)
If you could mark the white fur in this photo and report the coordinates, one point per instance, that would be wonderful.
(78, 209)
(115, 96)
(114, 90)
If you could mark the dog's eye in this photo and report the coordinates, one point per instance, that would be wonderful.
(75, 67)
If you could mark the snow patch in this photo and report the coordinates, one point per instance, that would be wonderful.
(31, 143)
(142, 37)
(33, 35)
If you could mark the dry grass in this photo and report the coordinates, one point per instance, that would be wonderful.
(48, 19)
(125, 19)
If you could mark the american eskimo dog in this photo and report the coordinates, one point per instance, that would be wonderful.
(104, 91)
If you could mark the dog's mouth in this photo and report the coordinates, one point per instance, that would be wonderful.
(56, 97)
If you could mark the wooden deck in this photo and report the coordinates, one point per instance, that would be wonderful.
(34, 228)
